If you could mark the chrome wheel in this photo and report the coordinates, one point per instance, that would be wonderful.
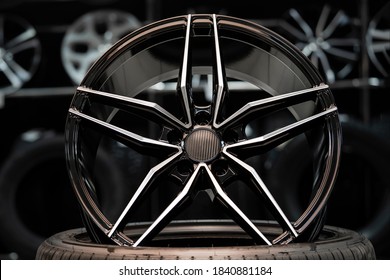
(20, 53)
(378, 40)
(329, 40)
(240, 92)
(90, 36)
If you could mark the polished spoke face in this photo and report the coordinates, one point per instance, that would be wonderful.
(271, 104)
(19, 53)
(143, 189)
(185, 79)
(235, 211)
(173, 209)
(220, 83)
(148, 110)
(260, 145)
(142, 144)
(258, 185)
(213, 160)
(330, 43)
(269, 141)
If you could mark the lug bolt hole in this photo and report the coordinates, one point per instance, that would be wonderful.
(221, 167)
(185, 168)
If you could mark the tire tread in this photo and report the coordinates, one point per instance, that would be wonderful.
(346, 244)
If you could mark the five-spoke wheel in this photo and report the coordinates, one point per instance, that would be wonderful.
(258, 92)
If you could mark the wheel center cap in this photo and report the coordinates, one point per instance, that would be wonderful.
(202, 145)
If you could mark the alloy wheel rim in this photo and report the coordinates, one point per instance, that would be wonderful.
(202, 147)
(20, 53)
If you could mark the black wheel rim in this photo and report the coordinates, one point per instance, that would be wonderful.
(203, 142)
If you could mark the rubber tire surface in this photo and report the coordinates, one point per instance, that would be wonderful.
(367, 146)
(15, 233)
(17, 236)
(334, 243)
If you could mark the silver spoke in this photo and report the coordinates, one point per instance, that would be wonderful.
(380, 34)
(264, 192)
(240, 216)
(21, 38)
(343, 42)
(380, 47)
(194, 135)
(149, 110)
(271, 104)
(23, 74)
(84, 38)
(13, 78)
(220, 83)
(31, 44)
(17, 70)
(275, 138)
(161, 221)
(329, 73)
(322, 20)
(302, 23)
(185, 79)
(135, 141)
(293, 31)
(314, 59)
(339, 19)
(143, 188)
(347, 55)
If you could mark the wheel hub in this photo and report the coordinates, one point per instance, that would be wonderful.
(202, 145)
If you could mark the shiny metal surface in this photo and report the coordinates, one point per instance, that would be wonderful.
(20, 53)
(119, 109)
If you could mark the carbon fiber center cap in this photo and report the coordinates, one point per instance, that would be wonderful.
(202, 145)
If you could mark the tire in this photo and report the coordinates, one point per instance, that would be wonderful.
(36, 198)
(24, 226)
(366, 211)
(334, 243)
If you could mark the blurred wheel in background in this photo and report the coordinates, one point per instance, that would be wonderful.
(378, 40)
(90, 36)
(328, 37)
(20, 52)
